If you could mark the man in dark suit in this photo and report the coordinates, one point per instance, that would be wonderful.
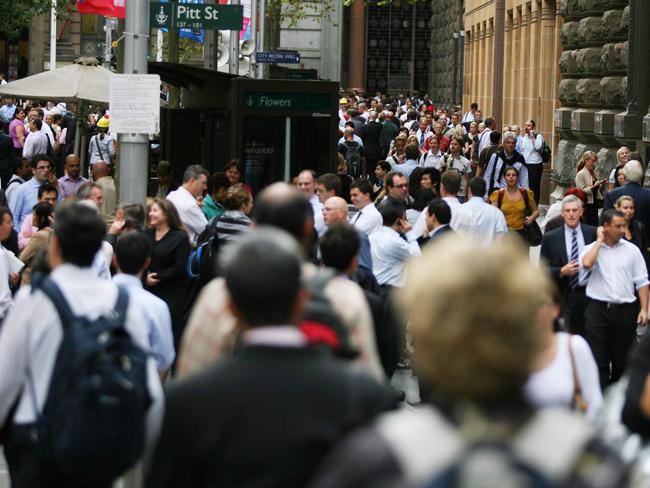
(266, 416)
(438, 217)
(633, 172)
(561, 248)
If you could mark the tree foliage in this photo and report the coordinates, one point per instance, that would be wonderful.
(17, 14)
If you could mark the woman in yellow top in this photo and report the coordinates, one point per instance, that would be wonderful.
(511, 202)
(588, 181)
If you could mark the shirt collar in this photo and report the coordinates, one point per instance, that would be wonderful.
(275, 335)
(70, 272)
(569, 230)
(127, 280)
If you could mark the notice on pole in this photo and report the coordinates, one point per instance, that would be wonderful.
(134, 104)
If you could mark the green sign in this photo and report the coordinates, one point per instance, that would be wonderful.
(165, 15)
(289, 102)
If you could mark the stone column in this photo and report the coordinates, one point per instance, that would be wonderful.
(357, 45)
(497, 84)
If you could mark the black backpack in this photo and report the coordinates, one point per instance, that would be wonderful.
(92, 427)
(202, 263)
(353, 158)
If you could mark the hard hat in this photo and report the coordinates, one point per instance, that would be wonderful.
(343, 101)
(102, 123)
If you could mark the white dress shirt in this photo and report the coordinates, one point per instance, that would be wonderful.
(319, 222)
(531, 149)
(35, 143)
(389, 253)
(618, 271)
(456, 219)
(496, 160)
(6, 300)
(430, 160)
(468, 117)
(189, 211)
(32, 334)
(480, 219)
(11, 189)
(484, 139)
(368, 219)
(156, 314)
(568, 240)
(419, 135)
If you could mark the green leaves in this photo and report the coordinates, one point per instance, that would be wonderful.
(17, 15)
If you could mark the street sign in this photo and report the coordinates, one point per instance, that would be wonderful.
(288, 102)
(165, 15)
(134, 104)
(286, 57)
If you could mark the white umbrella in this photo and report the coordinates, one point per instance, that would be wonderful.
(83, 80)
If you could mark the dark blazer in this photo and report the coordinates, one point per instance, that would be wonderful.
(443, 231)
(263, 418)
(641, 198)
(554, 252)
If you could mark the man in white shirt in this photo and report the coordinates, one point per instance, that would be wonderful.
(617, 271)
(389, 250)
(423, 132)
(367, 219)
(6, 299)
(484, 137)
(478, 218)
(36, 141)
(470, 116)
(195, 183)
(531, 145)
(307, 185)
(32, 334)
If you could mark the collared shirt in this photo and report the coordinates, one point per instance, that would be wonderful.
(568, 239)
(189, 211)
(32, 333)
(355, 138)
(493, 170)
(368, 219)
(484, 139)
(422, 136)
(479, 218)
(421, 224)
(389, 253)
(430, 160)
(6, 300)
(157, 316)
(68, 186)
(319, 222)
(468, 117)
(531, 148)
(35, 143)
(47, 130)
(275, 336)
(23, 201)
(407, 167)
(618, 271)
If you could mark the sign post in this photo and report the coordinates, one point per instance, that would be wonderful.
(165, 15)
(284, 57)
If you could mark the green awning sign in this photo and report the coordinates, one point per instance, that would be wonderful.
(288, 102)
(165, 15)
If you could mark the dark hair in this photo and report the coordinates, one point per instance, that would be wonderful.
(478, 186)
(441, 210)
(265, 259)
(412, 151)
(422, 198)
(339, 245)
(171, 214)
(385, 165)
(134, 216)
(42, 213)
(635, 156)
(364, 186)
(3, 212)
(17, 163)
(37, 123)
(495, 136)
(236, 197)
(80, 231)
(508, 168)
(18, 111)
(217, 181)
(37, 158)
(289, 214)
(390, 176)
(608, 215)
(451, 181)
(230, 164)
(474, 105)
(391, 212)
(132, 250)
(194, 171)
(47, 188)
(489, 122)
(331, 182)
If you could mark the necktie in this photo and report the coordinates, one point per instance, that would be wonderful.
(422, 139)
(573, 283)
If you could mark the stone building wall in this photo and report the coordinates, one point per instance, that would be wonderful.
(446, 52)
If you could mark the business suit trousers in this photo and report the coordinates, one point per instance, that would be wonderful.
(535, 179)
(610, 330)
(573, 310)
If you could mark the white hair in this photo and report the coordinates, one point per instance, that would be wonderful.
(633, 171)
(571, 199)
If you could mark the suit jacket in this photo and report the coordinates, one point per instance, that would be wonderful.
(264, 417)
(555, 254)
(641, 198)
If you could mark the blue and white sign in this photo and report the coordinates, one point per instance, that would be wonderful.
(284, 57)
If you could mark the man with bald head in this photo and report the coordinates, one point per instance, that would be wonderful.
(307, 185)
(102, 176)
(212, 331)
(70, 183)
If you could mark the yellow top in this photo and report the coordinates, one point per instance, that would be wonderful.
(513, 211)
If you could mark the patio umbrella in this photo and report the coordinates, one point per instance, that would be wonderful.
(83, 80)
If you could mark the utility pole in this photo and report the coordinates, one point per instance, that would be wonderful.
(53, 36)
(234, 48)
(260, 37)
(134, 148)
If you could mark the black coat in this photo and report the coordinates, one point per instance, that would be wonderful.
(554, 252)
(263, 418)
(641, 198)
(369, 134)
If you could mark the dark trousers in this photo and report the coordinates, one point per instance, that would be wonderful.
(535, 179)
(610, 330)
(573, 310)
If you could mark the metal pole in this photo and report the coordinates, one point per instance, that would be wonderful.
(287, 149)
(159, 45)
(53, 36)
(253, 39)
(261, 34)
(234, 48)
(134, 148)
(108, 27)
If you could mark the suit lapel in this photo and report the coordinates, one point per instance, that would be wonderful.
(563, 245)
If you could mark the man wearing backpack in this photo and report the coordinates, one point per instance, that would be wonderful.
(354, 154)
(532, 144)
(37, 380)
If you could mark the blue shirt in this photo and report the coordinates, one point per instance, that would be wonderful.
(23, 201)
(157, 316)
(7, 113)
(407, 168)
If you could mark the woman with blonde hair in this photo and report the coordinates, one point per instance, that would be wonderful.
(588, 180)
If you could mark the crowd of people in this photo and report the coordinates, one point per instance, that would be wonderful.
(216, 337)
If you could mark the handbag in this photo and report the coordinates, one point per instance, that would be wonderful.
(532, 233)
(578, 403)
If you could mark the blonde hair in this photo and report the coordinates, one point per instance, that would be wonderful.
(583, 159)
(480, 348)
(624, 198)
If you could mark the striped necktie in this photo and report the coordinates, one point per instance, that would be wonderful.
(421, 138)
(573, 283)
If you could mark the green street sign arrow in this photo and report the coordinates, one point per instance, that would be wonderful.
(165, 15)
